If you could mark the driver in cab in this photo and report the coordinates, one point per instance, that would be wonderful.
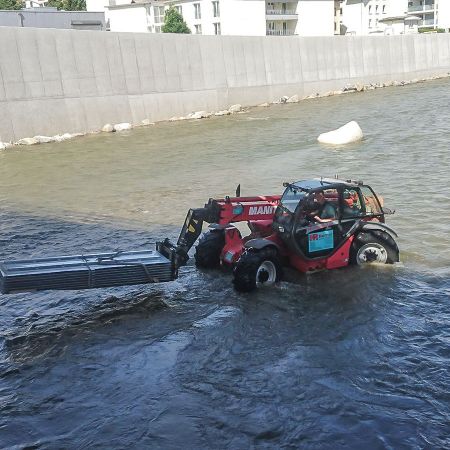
(321, 210)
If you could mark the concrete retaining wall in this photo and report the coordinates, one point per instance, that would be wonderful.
(56, 81)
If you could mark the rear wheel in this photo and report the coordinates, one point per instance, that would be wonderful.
(257, 268)
(209, 248)
(374, 247)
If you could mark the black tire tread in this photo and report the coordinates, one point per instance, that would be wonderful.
(378, 237)
(209, 248)
(244, 274)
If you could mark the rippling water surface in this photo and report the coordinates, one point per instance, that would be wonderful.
(352, 358)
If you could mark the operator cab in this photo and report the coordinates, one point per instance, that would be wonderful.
(314, 216)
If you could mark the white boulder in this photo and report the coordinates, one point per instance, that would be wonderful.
(44, 139)
(108, 128)
(225, 112)
(5, 145)
(146, 122)
(199, 115)
(62, 137)
(350, 132)
(293, 99)
(264, 105)
(122, 126)
(235, 108)
(28, 141)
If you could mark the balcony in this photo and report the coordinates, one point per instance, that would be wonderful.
(280, 32)
(282, 12)
(427, 23)
(421, 8)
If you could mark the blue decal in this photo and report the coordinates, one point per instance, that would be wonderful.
(323, 240)
(239, 209)
(228, 257)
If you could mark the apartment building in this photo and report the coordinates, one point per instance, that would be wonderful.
(226, 17)
(367, 16)
(394, 16)
(432, 13)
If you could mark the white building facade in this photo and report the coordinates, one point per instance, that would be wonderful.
(226, 17)
(394, 16)
(432, 13)
(367, 16)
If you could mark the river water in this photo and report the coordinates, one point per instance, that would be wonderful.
(350, 358)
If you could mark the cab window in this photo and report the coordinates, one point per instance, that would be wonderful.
(284, 214)
(291, 199)
(372, 205)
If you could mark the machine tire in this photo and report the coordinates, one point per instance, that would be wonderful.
(209, 248)
(257, 268)
(374, 247)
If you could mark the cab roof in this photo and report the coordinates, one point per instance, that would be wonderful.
(327, 183)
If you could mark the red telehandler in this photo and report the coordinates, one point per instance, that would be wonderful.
(315, 224)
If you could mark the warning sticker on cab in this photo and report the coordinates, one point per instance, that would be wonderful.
(322, 240)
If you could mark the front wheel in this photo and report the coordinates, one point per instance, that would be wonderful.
(209, 248)
(369, 248)
(256, 269)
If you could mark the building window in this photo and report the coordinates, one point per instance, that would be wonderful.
(216, 10)
(370, 23)
(159, 14)
(157, 29)
(198, 29)
(217, 28)
(370, 9)
(179, 9)
(197, 11)
(384, 9)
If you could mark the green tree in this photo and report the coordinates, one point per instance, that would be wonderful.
(10, 4)
(174, 23)
(68, 5)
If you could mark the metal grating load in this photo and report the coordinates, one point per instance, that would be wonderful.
(86, 271)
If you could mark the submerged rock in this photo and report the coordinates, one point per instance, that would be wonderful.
(350, 132)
